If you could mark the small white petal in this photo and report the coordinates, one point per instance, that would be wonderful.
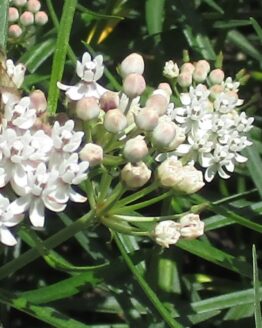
(37, 213)
(21, 204)
(6, 237)
(75, 197)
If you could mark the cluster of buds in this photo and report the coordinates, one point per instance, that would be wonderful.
(39, 163)
(24, 17)
(169, 232)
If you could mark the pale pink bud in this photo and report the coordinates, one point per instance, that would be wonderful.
(13, 14)
(134, 63)
(184, 79)
(19, 3)
(216, 76)
(199, 74)
(203, 64)
(15, 31)
(164, 133)
(109, 100)
(134, 85)
(92, 153)
(180, 137)
(158, 102)
(38, 101)
(216, 90)
(147, 119)
(33, 6)
(41, 18)
(191, 226)
(87, 108)
(27, 18)
(187, 68)
(167, 233)
(135, 149)
(166, 87)
(115, 121)
(135, 175)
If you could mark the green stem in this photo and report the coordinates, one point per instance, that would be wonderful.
(121, 227)
(90, 193)
(110, 202)
(145, 287)
(52, 242)
(234, 197)
(104, 186)
(128, 106)
(153, 219)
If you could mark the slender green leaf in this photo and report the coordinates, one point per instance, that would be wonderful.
(258, 319)
(214, 5)
(257, 28)
(254, 165)
(231, 23)
(155, 15)
(4, 5)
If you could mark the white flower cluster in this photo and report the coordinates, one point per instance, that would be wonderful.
(215, 129)
(38, 161)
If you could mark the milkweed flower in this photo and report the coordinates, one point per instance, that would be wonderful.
(167, 233)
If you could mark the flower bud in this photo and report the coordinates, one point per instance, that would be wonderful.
(15, 31)
(147, 119)
(191, 226)
(19, 3)
(164, 133)
(109, 100)
(134, 63)
(87, 108)
(13, 15)
(135, 149)
(27, 18)
(38, 101)
(166, 87)
(33, 6)
(41, 18)
(186, 179)
(158, 101)
(199, 75)
(179, 138)
(216, 90)
(171, 70)
(115, 121)
(167, 233)
(135, 175)
(204, 65)
(184, 79)
(216, 76)
(134, 85)
(92, 153)
(187, 68)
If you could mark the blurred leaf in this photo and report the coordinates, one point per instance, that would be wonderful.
(231, 23)
(4, 5)
(254, 165)
(258, 319)
(214, 5)
(257, 28)
(155, 16)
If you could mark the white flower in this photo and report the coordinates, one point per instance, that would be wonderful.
(7, 219)
(191, 226)
(171, 70)
(15, 72)
(167, 233)
(231, 85)
(90, 70)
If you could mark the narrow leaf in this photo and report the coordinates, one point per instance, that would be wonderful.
(4, 5)
(258, 319)
(257, 28)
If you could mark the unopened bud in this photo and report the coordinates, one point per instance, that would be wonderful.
(135, 175)
(13, 15)
(215, 90)
(41, 18)
(134, 85)
(184, 79)
(19, 3)
(115, 121)
(33, 6)
(135, 149)
(204, 65)
(87, 108)
(199, 75)
(187, 68)
(92, 153)
(171, 70)
(14, 31)
(191, 226)
(167, 233)
(147, 119)
(164, 133)
(27, 18)
(180, 137)
(109, 100)
(158, 101)
(216, 76)
(134, 63)
(166, 87)
(38, 101)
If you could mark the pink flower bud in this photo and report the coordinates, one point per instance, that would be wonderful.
(164, 133)
(92, 153)
(158, 102)
(27, 18)
(216, 76)
(204, 65)
(187, 68)
(135, 176)
(19, 3)
(191, 226)
(87, 108)
(147, 119)
(109, 100)
(41, 18)
(15, 31)
(13, 14)
(115, 121)
(135, 149)
(199, 74)
(33, 6)
(134, 85)
(134, 63)
(166, 87)
(38, 101)
(184, 79)
(167, 233)
(215, 90)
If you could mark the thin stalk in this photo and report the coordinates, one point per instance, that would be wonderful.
(140, 219)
